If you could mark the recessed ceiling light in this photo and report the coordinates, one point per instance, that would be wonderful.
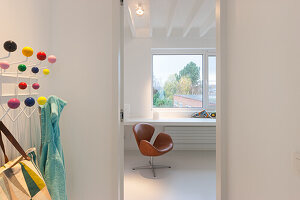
(139, 10)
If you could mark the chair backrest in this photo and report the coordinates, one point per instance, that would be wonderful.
(143, 131)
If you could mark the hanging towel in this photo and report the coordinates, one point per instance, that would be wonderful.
(52, 163)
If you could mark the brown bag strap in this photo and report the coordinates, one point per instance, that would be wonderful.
(2, 147)
(13, 141)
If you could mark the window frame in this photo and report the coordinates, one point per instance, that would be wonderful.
(207, 79)
(185, 51)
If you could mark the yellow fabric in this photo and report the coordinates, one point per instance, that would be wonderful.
(38, 181)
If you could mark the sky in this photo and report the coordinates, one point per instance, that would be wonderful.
(212, 63)
(165, 65)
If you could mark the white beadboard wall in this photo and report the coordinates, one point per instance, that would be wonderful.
(192, 137)
(184, 137)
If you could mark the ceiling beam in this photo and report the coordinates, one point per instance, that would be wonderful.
(148, 17)
(210, 23)
(140, 26)
(205, 31)
(130, 19)
(170, 23)
(200, 12)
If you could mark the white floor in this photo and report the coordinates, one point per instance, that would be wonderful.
(192, 176)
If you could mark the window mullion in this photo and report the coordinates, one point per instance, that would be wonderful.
(205, 80)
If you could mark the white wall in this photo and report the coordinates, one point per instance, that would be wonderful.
(83, 35)
(28, 23)
(85, 77)
(138, 68)
(19, 22)
(260, 98)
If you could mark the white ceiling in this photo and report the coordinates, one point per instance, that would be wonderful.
(170, 18)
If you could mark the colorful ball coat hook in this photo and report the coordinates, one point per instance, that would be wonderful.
(46, 71)
(29, 101)
(27, 51)
(22, 68)
(41, 55)
(4, 65)
(10, 46)
(13, 103)
(35, 70)
(42, 100)
(35, 86)
(22, 85)
(52, 59)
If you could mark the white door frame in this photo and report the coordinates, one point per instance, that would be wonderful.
(121, 101)
(220, 137)
(117, 76)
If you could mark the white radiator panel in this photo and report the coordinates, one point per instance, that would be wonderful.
(192, 138)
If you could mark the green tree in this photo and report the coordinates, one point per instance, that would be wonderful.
(185, 85)
(171, 87)
(158, 102)
(164, 103)
(191, 71)
(156, 97)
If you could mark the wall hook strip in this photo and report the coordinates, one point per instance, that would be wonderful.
(14, 102)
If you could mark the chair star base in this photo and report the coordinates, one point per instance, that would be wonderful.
(152, 167)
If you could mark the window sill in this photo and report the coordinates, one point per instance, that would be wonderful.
(173, 122)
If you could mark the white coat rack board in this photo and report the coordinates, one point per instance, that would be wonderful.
(19, 81)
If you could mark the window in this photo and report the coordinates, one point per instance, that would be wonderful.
(212, 77)
(184, 79)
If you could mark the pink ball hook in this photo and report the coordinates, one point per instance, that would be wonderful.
(13, 103)
(35, 86)
(52, 59)
(4, 65)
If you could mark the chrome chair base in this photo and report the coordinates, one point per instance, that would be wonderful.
(152, 167)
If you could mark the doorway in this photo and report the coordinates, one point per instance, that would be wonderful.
(169, 30)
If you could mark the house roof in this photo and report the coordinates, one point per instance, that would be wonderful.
(191, 96)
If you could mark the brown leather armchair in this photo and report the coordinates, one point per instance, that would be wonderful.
(163, 143)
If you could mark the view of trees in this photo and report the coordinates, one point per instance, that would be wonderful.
(186, 82)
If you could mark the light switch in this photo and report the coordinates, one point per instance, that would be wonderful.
(297, 161)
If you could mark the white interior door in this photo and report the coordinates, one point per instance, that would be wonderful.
(121, 101)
